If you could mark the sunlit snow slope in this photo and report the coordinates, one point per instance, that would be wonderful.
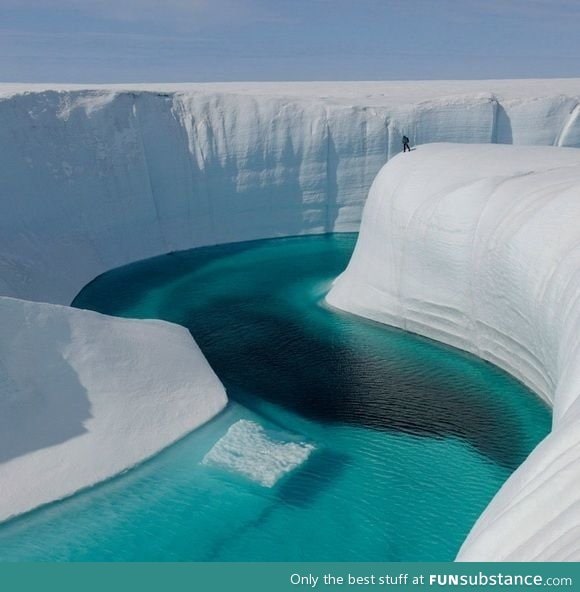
(84, 396)
(479, 247)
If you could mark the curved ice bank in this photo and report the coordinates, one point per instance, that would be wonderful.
(97, 177)
(479, 247)
(84, 396)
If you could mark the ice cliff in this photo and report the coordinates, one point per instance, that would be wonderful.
(92, 178)
(486, 257)
(84, 396)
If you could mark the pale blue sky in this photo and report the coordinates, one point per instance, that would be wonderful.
(206, 40)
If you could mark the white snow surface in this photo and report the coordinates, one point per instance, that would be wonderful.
(96, 177)
(479, 247)
(84, 396)
(249, 450)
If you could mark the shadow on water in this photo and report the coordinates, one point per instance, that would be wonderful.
(316, 475)
(299, 489)
(340, 371)
(330, 382)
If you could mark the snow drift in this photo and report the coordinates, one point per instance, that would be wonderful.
(486, 257)
(84, 396)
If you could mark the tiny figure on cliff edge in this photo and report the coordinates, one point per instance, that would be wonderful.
(406, 144)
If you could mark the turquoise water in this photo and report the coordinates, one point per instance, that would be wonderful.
(412, 438)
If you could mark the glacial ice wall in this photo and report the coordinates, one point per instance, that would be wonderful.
(84, 396)
(486, 257)
(93, 178)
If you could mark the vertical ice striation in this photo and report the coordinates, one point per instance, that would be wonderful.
(479, 247)
(93, 178)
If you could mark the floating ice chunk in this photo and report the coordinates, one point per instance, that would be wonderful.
(247, 449)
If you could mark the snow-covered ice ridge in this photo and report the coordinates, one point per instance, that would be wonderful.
(479, 247)
(84, 396)
(96, 177)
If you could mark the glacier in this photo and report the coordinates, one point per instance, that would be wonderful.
(84, 396)
(486, 257)
(95, 177)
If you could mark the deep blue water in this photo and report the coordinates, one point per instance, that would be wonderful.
(412, 438)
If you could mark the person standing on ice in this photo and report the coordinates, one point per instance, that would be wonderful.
(406, 144)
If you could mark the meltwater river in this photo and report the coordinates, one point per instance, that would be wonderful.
(410, 438)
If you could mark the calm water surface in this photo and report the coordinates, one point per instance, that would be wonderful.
(412, 438)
